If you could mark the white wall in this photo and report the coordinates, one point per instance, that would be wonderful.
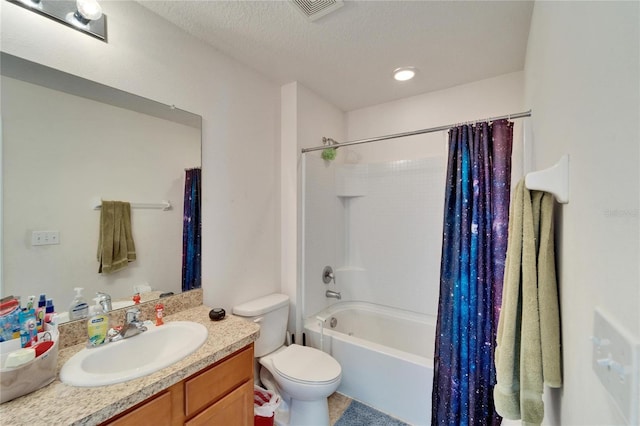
(289, 198)
(468, 102)
(306, 118)
(582, 83)
(149, 57)
(62, 159)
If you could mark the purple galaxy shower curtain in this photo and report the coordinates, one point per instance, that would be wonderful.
(474, 245)
(191, 231)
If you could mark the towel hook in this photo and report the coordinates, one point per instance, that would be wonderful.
(554, 180)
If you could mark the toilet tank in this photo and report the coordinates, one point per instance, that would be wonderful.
(271, 313)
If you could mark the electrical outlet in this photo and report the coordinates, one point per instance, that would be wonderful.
(43, 238)
(615, 362)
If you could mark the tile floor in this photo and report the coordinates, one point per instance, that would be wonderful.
(337, 404)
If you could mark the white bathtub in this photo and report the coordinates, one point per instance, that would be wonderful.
(385, 354)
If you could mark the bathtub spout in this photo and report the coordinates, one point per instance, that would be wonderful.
(333, 294)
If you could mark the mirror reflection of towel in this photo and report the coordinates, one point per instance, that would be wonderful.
(115, 244)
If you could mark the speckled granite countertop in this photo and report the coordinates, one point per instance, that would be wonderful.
(62, 404)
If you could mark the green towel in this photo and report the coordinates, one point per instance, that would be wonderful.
(115, 244)
(528, 351)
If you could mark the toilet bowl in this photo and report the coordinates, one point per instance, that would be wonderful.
(303, 376)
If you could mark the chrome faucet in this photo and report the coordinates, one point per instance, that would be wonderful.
(132, 324)
(105, 301)
(333, 294)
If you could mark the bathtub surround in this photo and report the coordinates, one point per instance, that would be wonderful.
(379, 226)
(528, 350)
(473, 252)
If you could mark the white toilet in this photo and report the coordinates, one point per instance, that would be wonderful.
(303, 376)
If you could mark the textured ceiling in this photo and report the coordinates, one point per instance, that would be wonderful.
(347, 56)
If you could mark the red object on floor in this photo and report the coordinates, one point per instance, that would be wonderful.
(260, 398)
(262, 421)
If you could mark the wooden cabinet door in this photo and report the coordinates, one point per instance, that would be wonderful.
(235, 409)
(209, 386)
(154, 412)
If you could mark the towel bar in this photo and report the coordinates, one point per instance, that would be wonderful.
(164, 205)
(554, 180)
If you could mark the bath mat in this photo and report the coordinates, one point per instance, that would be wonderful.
(358, 414)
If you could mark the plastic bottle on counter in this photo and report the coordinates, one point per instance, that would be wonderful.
(49, 311)
(79, 307)
(28, 328)
(159, 313)
(97, 325)
(41, 312)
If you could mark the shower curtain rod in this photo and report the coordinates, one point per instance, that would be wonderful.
(416, 132)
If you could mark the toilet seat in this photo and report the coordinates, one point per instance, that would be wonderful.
(304, 364)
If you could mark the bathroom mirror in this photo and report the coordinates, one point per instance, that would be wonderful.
(67, 143)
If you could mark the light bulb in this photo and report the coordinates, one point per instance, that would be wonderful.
(88, 10)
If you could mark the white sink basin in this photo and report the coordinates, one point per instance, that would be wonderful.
(137, 356)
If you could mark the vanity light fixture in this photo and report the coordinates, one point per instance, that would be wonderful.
(404, 73)
(82, 15)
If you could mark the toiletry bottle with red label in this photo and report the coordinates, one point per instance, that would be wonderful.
(159, 313)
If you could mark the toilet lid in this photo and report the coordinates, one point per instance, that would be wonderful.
(306, 364)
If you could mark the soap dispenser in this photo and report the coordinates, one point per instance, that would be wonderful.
(79, 308)
(97, 325)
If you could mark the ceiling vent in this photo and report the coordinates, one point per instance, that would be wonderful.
(316, 9)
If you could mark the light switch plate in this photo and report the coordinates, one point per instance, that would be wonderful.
(615, 362)
(43, 238)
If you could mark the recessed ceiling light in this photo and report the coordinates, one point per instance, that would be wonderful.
(404, 73)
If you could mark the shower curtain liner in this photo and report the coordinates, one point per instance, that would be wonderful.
(474, 245)
(191, 231)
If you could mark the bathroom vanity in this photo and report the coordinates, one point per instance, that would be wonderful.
(221, 394)
(213, 385)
